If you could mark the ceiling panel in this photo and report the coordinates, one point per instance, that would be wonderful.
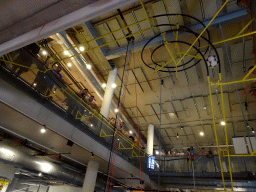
(192, 108)
(200, 105)
(177, 105)
(129, 18)
(114, 25)
(174, 7)
(140, 15)
(159, 9)
(182, 79)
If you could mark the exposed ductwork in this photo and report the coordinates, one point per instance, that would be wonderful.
(16, 157)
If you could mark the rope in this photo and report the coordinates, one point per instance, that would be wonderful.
(138, 130)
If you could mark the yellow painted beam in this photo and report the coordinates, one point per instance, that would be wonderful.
(233, 82)
(246, 26)
(145, 11)
(249, 72)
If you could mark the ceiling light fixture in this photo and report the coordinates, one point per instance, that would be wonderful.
(116, 110)
(253, 131)
(44, 52)
(157, 152)
(202, 133)
(92, 154)
(204, 107)
(43, 130)
(66, 52)
(178, 135)
(81, 48)
(88, 66)
(35, 84)
(130, 132)
(222, 123)
(113, 85)
(104, 85)
(181, 127)
(39, 174)
(69, 64)
(91, 125)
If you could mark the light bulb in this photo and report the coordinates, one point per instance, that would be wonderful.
(44, 52)
(39, 174)
(88, 66)
(66, 52)
(91, 125)
(104, 85)
(223, 123)
(202, 133)
(35, 84)
(116, 110)
(43, 130)
(81, 48)
(69, 64)
(130, 132)
(157, 152)
(113, 85)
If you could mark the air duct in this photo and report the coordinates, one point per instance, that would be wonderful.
(13, 156)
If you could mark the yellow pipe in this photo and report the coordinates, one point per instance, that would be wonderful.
(200, 33)
(246, 26)
(145, 11)
(233, 82)
(249, 72)
(215, 131)
(225, 130)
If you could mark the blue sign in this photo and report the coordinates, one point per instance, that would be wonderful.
(151, 162)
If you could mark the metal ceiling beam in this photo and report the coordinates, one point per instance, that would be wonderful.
(85, 13)
(222, 18)
(95, 35)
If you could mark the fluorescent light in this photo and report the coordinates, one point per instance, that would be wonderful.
(113, 85)
(44, 52)
(6, 151)
(104, 85)
(81, 48)
(69, 64)
(43, 130)
(45, 166)
(222, 123)
(202, 133)
(116, 110)
(66, 52)
(88, 66)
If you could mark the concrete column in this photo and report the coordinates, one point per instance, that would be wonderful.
(109, 92)
(90, 176)
(6, 173)
(150, 139)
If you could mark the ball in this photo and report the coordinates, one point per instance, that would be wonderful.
(212, 61)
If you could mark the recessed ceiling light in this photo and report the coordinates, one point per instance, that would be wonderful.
(43, 130)
(222, 123)
(204, 107)
(91, 125)
(81, 48)
(113, 85)
(88, 66)
(44, 52)
(104, 85)
(69, 64)
(130, 132)
(202, 133)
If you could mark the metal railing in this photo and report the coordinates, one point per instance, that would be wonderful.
(204, 164)
(33, 71)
